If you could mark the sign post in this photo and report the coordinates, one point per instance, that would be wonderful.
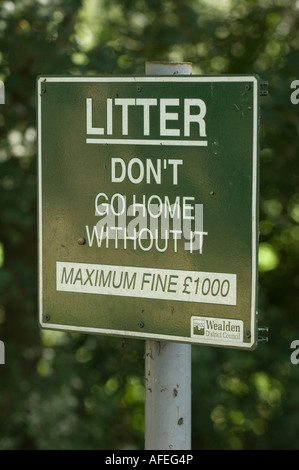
(167, 365)
(148, 219)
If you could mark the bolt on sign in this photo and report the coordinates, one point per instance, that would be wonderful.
(148, 199)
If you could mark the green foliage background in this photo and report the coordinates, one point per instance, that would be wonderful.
(71, 391)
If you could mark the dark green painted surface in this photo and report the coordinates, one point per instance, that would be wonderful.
(222, 176)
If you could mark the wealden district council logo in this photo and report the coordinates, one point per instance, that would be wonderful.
(223, 330)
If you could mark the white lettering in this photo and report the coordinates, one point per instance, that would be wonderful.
(109, 117)
(101, 206)
(171, 113)
(199, 118)
(89, 128)
(114, 178)
(165, 116)
(125, 103)
(139, 178)
(146, 103)
(137, 170)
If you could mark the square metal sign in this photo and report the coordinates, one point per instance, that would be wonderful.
(148, 206)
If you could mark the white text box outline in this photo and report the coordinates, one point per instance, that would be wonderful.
(147, 287)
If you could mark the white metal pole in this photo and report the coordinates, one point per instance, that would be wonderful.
(167, 365)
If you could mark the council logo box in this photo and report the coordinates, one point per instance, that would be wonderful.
(217, 330)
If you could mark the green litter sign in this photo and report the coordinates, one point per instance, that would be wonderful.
(148, 206)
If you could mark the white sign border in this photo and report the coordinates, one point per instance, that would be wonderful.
(41, 81)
